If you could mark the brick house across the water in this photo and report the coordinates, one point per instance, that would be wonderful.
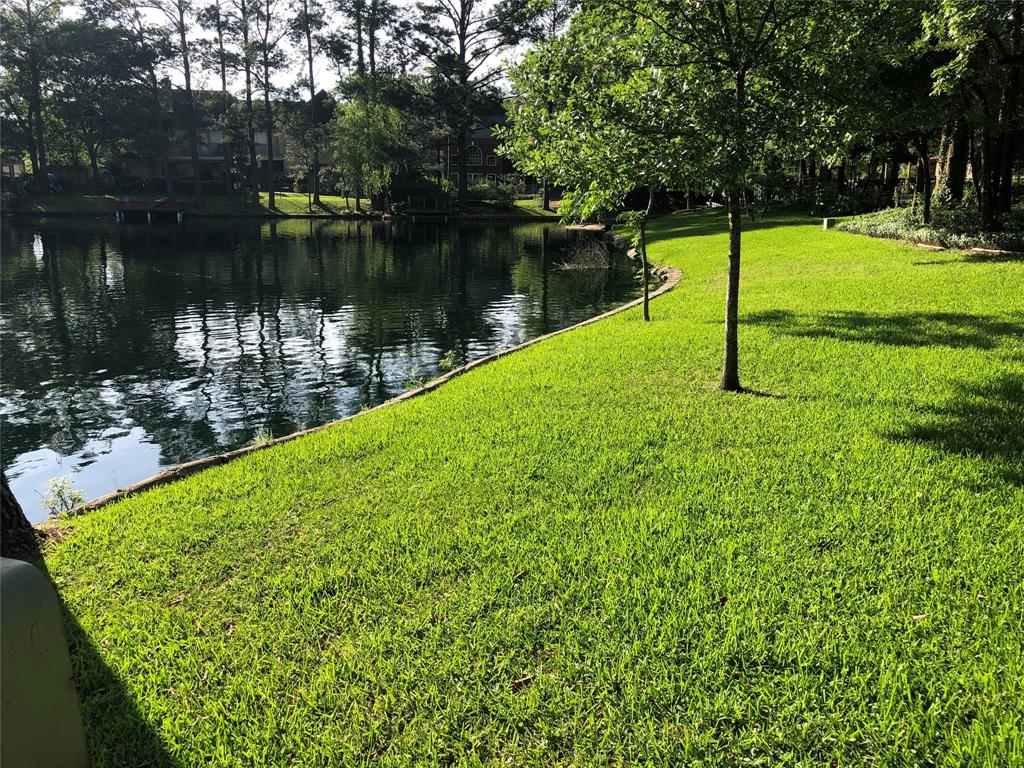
(482, 158)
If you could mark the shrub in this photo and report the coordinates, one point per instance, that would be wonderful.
(62, 497)
(588, 254)
(500, 193)
(957, 227)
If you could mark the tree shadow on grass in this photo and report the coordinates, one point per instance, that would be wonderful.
(975, 257)
(327, 208)
(909, 329)
(700, 223)
(985, 421)
(116, 732)
(994, 257)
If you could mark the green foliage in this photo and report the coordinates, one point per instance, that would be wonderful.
(584, 554)
(62, 497)
(372, 142)
(959, 227)
(501, 193)
(449, 361)
(263, 437)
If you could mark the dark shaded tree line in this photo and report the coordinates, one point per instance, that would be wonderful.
(89, 83)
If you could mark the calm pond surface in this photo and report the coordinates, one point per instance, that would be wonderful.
(127, 348)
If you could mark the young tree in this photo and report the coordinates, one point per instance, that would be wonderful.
(373, 141)
(598, 82)
(550, 18)
(734, 76)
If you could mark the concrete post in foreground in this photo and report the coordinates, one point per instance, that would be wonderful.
(40, 719)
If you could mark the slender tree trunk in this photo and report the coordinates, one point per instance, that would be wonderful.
(190, 109)
(312, 107)
(371, 41)
(986, 196)
(268, 116)
(226, 146)
(38, 128)
(643, 256)
(92, 151)
(360, 63)
(546, 196)
(924, 178)
(160, 117)
(460, 141)
(1009, 117)
(942, 160)
(730, 361)
(25, 123)
(17, 536)
(250, 117)
(891, 178)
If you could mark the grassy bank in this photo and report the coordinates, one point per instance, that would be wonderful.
(285, 204)
(585, 554)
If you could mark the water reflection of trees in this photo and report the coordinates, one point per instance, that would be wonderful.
(203, 334)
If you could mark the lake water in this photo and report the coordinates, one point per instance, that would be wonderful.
(127, 348)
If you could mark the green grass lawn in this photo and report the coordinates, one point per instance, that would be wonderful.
(585, 554)
(285, 203)
(522, 208)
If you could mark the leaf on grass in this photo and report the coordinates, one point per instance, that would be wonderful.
(522, 682)
(920, 617)
(521, 575)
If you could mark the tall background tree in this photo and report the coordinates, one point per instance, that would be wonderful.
(28, 56)
(306, 23)
(216, 20)
(271, 29)
(179, 16)
(460, 41)
(152, 134)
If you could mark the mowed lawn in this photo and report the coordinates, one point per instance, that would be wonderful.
(585, 554)
(285, 204)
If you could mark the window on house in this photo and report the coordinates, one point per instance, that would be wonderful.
(490, 177)
(492, 160)
(475, 177)
(474, 156)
